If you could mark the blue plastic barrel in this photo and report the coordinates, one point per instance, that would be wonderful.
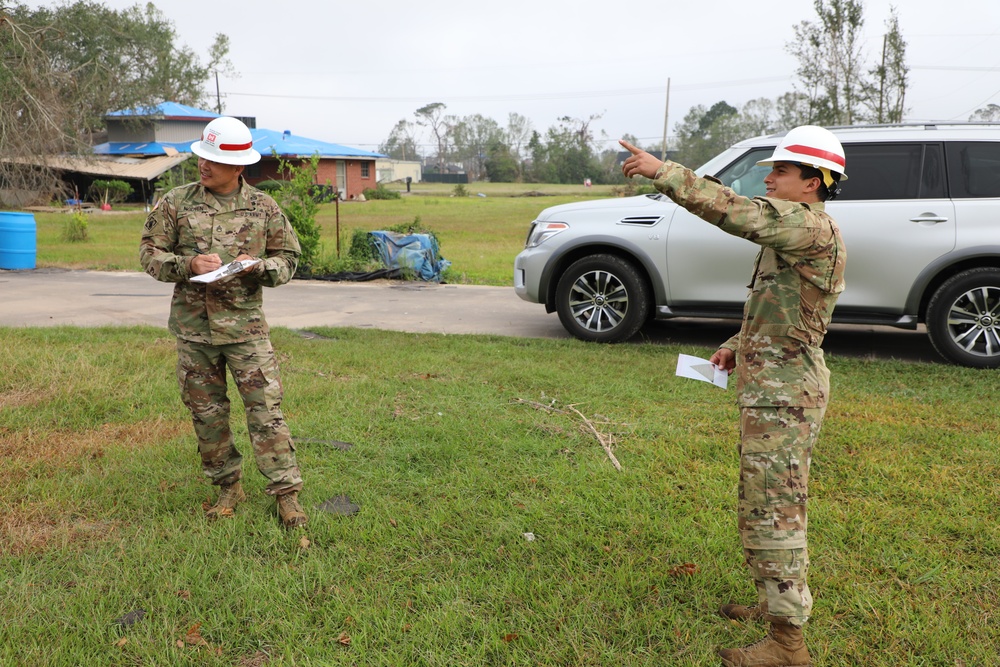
(17, 240)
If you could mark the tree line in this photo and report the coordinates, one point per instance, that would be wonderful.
(62, 69)
(836, 85)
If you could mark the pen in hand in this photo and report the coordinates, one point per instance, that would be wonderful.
(203, 263)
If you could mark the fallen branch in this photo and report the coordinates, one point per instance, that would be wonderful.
(540, 406)
(605, 441)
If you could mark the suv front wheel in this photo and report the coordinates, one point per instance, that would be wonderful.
(602, 298)
(963, 318)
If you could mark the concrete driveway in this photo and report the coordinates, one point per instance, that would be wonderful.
(52, 297)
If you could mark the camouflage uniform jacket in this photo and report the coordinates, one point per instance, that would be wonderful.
(797, 277)
(190, 221)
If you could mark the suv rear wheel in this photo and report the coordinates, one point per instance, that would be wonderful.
(963, 318)
(602, 298)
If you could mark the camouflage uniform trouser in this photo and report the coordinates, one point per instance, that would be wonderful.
(201, 373)
(775, 452)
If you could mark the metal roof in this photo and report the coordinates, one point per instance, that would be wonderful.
(143, 169)
(286, 144)
(167, 111)
(142, 148)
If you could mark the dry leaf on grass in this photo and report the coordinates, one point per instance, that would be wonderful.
(344, 639)
(685, 570)
(193, 636)
(258, 659)
(121, 642)
(304, 542)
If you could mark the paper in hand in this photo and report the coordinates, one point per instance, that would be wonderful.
(695, 368)
(230, 269)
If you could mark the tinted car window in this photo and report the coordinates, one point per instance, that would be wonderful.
(744, 176)
(932, 177)
(883, 171)
(974, 169)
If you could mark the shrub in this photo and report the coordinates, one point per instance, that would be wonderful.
(75, 228)
(363, 256)
(460, 191)
(270, 186)
(381, 192)
(297, 199)
(108, 192)
(185, 172)
(361, 248)
(631, 188)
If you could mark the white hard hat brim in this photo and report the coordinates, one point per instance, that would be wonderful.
(239, 157)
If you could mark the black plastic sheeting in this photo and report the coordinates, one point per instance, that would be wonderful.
(354, 276)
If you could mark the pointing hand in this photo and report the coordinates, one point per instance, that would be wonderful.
(640, 163)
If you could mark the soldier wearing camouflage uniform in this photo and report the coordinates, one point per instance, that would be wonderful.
(782, 381)
(195, 229)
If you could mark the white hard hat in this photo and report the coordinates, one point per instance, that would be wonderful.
(810, 145)
(228, 141)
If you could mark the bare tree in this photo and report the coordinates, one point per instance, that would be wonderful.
(885, 91)
(35, 118)
(831, 60)
(757, 117)
(793, 109)
(432, 116)
(473, 136)
(402, 142)
(518, 134)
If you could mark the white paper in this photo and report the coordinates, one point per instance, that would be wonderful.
(228, 270)
(701, 369)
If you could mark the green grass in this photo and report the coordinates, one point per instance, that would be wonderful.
(102, 510)
(480, 236)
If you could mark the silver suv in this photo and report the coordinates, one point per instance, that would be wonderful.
(920, 216)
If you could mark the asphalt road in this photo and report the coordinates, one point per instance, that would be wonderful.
(53, 297)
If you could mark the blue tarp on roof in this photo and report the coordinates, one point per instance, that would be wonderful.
(287, 144)
(140, 147)
(171, 110)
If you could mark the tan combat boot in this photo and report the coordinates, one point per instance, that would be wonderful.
(739, 612)
(782, 647)
(291, 512)
(230, 495)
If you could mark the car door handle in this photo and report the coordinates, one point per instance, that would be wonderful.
(932, 218)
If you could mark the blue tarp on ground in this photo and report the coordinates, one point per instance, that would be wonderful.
(417, 252)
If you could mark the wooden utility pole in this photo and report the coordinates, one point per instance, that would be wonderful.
(218, 97)
(666, 115)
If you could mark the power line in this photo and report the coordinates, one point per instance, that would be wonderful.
(518, 97)
(957, 68)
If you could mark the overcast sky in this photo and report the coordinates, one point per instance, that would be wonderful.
(346, 72)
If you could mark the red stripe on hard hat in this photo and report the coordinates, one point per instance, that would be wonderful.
(816, 152)
(235, 147)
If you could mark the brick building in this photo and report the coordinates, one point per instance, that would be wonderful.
(348, 170)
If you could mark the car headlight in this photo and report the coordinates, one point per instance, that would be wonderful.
(540, 231)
